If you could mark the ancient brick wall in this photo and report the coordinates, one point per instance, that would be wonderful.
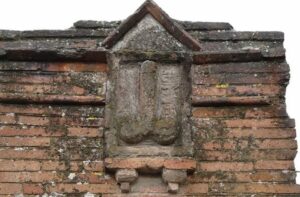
(52, 136)
(53, 94)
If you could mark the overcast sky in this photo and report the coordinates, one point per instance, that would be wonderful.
(251, 15)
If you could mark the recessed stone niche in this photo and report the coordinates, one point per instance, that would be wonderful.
(147, 115)
(148, 107)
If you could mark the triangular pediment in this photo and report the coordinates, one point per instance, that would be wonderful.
(153, 22)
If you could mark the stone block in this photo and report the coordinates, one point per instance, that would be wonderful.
(174, 176)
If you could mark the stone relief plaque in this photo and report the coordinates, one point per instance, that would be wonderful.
(148, 107)
(147, 119)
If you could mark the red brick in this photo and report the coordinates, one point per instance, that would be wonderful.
(239, 112)
(53, 165)
(21, 141)
(26, 154)
(230, 144)
(85, 132)
(265, 188)
(36, 79)
(76, 67)
(34, 109)
(214, 155)
(212, 145)
(97, 166)
(274, 165)
(60, 166)
(10, 188)
(77, 121)
(95, 177)
(242, 177)
(224, 144)
(92, 188)
(217, 176)
(198, 188)
(260, 123)
(20, 97)
(237, 90)
(35, 177)
(33, 189)
(273, 176)
(14, 108)
(180, 164)
(30, 131)
(42, 89)
(276, 154)
(31, 120)
(7, 119)
(261, 133)
(244, 155)
(240, 78)
(277, 144)
(274, 111)
(242, 67)
(226, 166)
(19, 165)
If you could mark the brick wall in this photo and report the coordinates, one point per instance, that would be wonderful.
(243, 147)
(52, 131)
(52, 115)
(51, 128)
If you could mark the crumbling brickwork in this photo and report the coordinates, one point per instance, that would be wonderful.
(54, 90)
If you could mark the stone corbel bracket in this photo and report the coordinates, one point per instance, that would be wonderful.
(174, 170)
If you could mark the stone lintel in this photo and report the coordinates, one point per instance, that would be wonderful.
(151, 163)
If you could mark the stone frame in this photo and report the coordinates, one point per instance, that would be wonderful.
(113, 149)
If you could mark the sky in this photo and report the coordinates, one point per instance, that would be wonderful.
(247, 15)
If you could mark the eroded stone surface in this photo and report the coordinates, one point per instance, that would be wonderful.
(149, 35)
(173, 188)
(148, 102)
(174, 176)
(126, 175)
(125, 187)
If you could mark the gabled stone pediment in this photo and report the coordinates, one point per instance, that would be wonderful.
(150, 28)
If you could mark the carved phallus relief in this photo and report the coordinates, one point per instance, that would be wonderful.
(149, 103)
(147, 115)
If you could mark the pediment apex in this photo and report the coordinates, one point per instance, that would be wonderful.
(151, 8)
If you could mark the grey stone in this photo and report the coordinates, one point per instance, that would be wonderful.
(149, 35)
(2, 53)
(9, 35)
(187, 25)
(174, 176)
(126, 175)
(90, 24)
(173, 188)
(204, 26)
(125, 187)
